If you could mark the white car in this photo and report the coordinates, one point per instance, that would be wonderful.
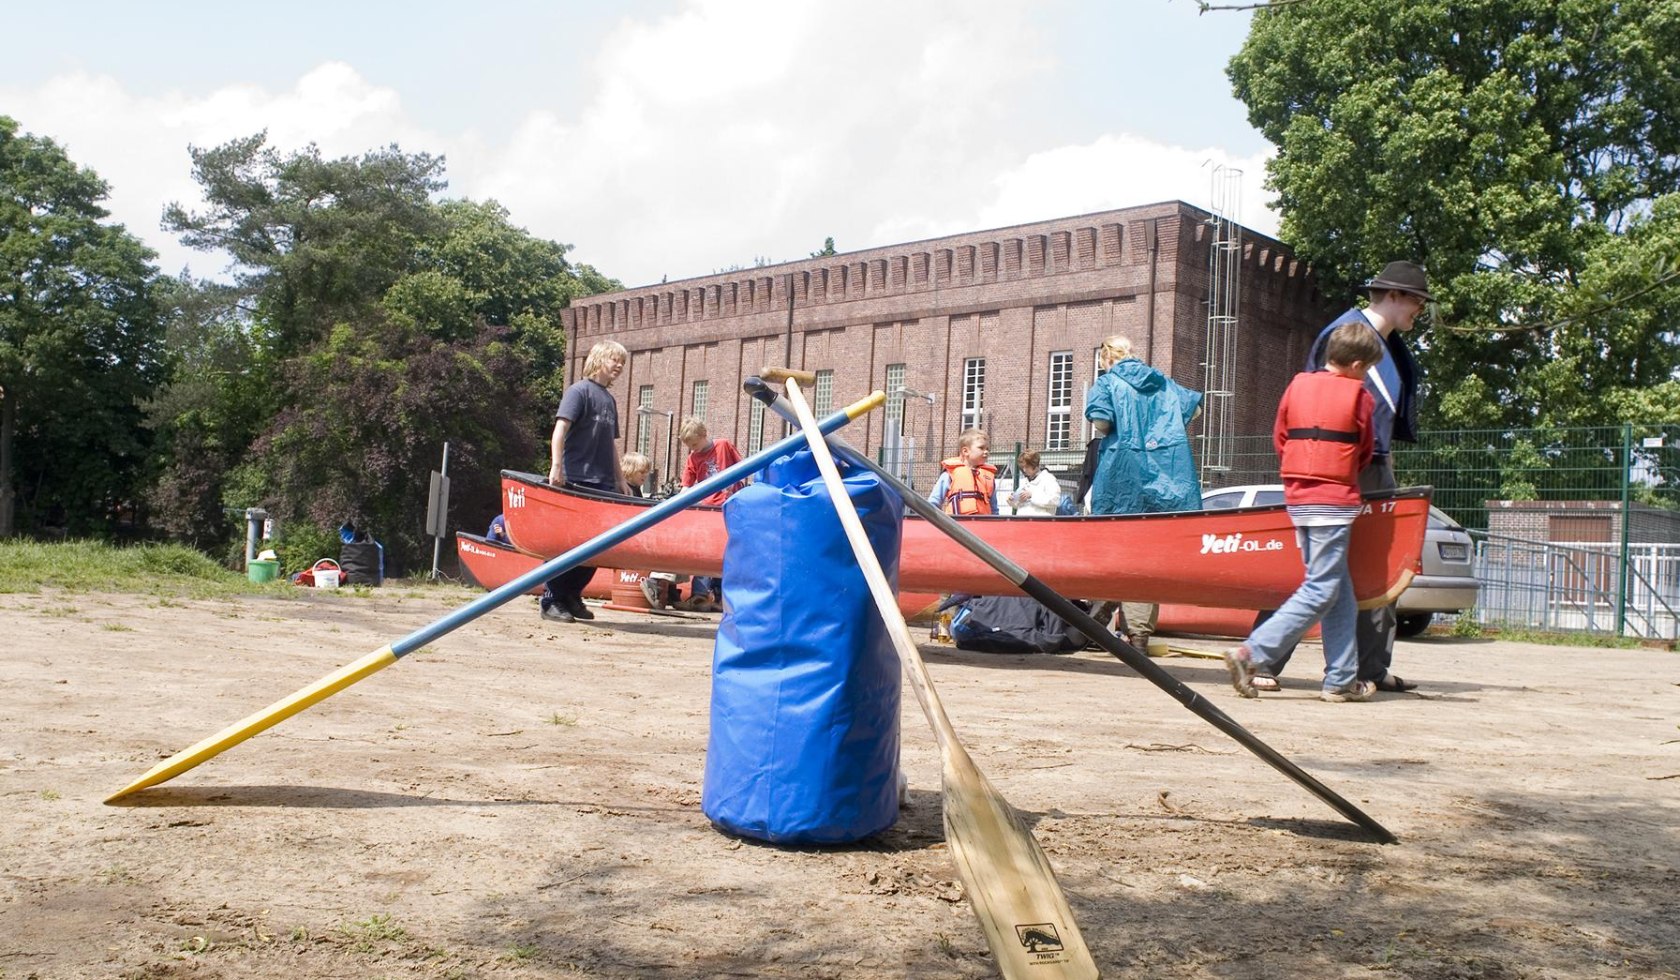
(1448, 581)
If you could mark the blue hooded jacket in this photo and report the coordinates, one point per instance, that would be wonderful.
(1144, 464)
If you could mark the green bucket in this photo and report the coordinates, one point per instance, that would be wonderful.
(262, 571)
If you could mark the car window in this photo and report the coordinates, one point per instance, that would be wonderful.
(1266, 498)
(1222, 501)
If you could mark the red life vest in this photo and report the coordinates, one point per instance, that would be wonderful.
(1320, 419)
(971, 490)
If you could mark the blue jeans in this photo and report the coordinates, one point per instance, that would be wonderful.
(1325, 596)
(707, 586)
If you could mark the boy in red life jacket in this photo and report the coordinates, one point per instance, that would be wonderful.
(969, 483)
(706, 456)
(1323, 437)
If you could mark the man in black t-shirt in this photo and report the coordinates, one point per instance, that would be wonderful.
(583, 452)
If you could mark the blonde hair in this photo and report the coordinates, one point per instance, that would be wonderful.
(972, 436)
(1114, 350)
(635, 463)
(602, 354)
(691, 426)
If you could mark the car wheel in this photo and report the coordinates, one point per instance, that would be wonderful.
(1412, 624)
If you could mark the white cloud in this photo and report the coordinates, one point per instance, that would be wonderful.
(139, 144)
(1120, 170)
(724, 131)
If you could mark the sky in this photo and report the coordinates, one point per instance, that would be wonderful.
(662, 139)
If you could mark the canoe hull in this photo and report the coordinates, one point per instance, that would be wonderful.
(490, 565)
(1244, 558)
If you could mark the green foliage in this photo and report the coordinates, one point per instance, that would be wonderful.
(302, 543)
(315, 241)
(1526, 151)
(826, 250)
(80, 344)
(369, 325)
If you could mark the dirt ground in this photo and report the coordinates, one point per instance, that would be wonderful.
(522, 799)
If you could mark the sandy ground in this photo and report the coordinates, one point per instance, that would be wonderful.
(523, 800)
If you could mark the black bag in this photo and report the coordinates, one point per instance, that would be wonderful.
(1011, 624)
(363, 562)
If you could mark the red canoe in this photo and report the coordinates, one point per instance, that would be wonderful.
(1244, 558)
(491, 565)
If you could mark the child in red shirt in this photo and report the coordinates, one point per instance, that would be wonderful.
(706, 456)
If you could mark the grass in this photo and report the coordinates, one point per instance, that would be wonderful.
(1466, 626)
(93, 566)
(167, 572)
(376, 928)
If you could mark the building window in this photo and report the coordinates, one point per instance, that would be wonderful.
(1058, 432)
(895, 398)
(822, 400)
(755, 428)
(697, 400)
(644, 421)
(974, 393)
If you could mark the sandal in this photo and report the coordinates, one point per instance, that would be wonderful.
(1265, 682)
(1237, 661)
(1394, 684)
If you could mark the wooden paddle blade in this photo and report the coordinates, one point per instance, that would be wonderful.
(1010, 884)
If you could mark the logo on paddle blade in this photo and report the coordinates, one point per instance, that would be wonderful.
(1040, 937)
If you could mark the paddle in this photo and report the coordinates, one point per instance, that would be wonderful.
(379, 659)
(1097, 633)
(1009, 881)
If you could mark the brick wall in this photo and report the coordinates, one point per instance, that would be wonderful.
(1010, 295)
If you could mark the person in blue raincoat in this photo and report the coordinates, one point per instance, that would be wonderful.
(1144, 464)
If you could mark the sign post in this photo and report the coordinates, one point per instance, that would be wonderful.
(437, 509)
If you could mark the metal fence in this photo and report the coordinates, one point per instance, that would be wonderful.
(1540, 576)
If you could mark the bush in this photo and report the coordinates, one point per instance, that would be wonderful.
(302, 544)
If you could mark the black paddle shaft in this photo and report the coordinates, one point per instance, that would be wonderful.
(1095, 631)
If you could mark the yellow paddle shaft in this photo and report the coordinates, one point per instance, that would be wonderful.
(263, 720)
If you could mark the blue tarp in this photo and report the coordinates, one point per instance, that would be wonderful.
(805, 682)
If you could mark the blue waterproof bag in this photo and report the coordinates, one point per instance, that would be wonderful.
(805, 680)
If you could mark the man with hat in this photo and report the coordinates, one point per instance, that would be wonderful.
(1397, 296)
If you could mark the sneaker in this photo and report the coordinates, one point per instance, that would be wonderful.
(1241, 666)
(650, 592)
(1360, 691)
(575, 606)
(555, 614)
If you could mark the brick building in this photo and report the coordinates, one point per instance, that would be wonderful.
(999, 327)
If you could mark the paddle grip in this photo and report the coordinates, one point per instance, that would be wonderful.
(777, 374)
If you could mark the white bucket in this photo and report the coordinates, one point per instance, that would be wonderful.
(326, 574)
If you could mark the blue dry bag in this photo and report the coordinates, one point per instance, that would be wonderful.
(805, 680)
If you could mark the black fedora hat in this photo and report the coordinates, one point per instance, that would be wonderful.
(1408, 277)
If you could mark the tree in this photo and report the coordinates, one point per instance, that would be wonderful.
(80, 343)
(207, 414)
(826, 250)
(369, 323)
(314, 241)
(1526, 151)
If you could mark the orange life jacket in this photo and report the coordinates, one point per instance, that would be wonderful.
(1321, 419)
(971, 490)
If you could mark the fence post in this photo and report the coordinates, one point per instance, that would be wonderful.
(1627, 470)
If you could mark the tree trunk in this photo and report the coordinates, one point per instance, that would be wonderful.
(8, 423)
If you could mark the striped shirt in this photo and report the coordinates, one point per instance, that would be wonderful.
(1323, 515)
